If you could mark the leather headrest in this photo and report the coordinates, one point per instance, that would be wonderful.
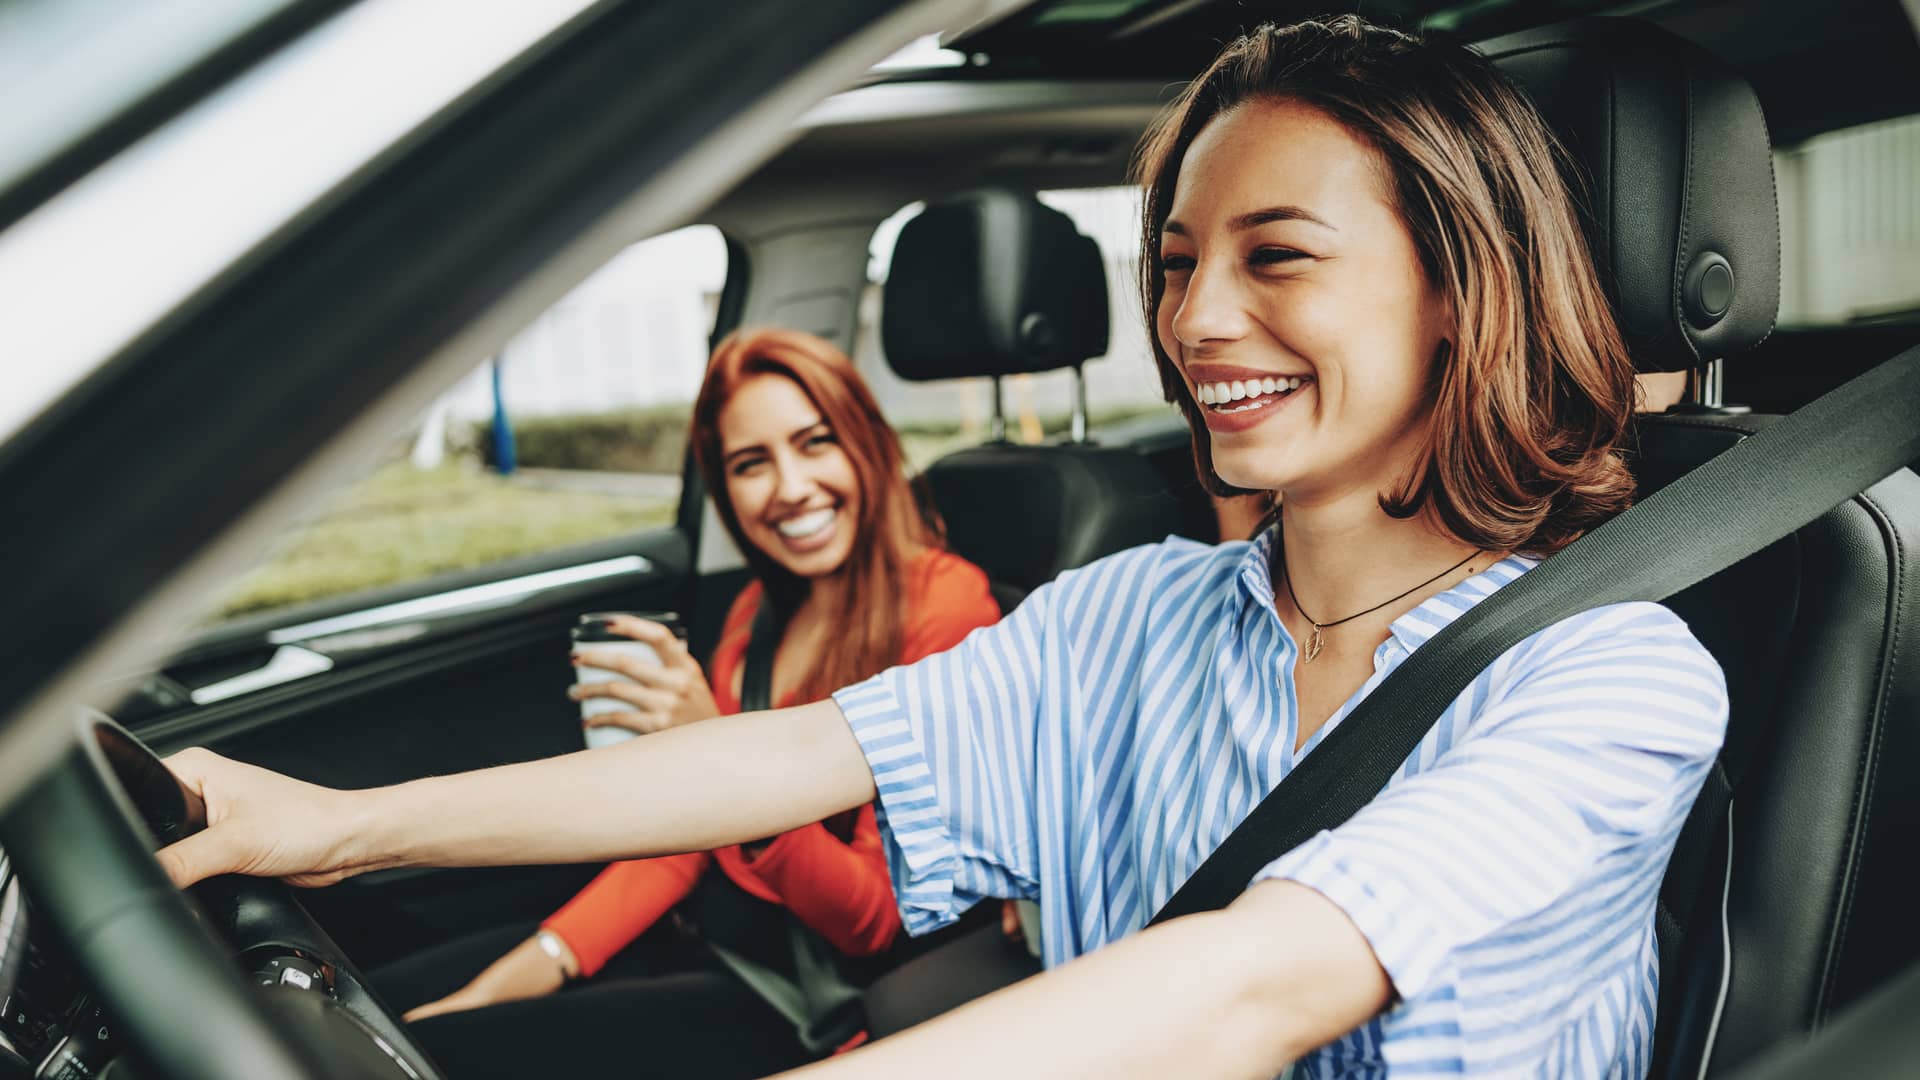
(992, 283)
(1679, 203)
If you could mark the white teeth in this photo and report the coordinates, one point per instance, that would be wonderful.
(809, 524)
(1225, 393)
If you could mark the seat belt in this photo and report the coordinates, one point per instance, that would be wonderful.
(1759, 491)
(823, 1007)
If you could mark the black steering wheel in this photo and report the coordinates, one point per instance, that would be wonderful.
(293, 1008)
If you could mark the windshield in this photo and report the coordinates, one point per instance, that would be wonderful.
(82, 63)
(91, 269)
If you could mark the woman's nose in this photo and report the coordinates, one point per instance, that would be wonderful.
(1210, 310)
(792, 484)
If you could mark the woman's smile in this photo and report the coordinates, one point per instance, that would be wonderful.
(1236, 399)
(807, 531)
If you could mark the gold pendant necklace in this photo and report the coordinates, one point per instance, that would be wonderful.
(1317, 640)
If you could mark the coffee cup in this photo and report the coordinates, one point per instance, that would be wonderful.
(593, 631)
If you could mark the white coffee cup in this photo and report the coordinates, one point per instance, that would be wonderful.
(592, 633)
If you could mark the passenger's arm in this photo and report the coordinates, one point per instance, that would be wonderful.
(692, 788)
(1235, 993)
(621, 903)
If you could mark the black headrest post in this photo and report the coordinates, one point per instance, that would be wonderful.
(999, 411)
(1705, 393)
(1706, 385)
(1079, 422)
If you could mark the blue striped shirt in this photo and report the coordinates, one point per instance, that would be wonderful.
(1092, 748)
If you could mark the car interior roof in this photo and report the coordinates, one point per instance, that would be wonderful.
(1064, 87)
(1816, 64)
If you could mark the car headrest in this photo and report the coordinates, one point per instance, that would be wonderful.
(1679, 203)
(992, 283)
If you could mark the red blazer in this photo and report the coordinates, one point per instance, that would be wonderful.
(837, 888)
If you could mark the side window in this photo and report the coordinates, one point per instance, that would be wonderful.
(1850, 225)
(576, 432)
(934, 418)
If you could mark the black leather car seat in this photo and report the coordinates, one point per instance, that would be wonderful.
(1809, 892)
(995, 283)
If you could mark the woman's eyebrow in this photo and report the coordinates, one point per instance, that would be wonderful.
(1261, 217)
(1278, 213)
(794, 435)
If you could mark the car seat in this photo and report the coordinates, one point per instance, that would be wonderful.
(995, 283)
(1803, 901)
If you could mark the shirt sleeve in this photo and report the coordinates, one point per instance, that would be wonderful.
(951, 742)
(621, 903)
(1565, 795)
(839, 890)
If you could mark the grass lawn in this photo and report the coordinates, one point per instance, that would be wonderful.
(402, 524)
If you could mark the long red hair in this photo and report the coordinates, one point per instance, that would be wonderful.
(892, 525)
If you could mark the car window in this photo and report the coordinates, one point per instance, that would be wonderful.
(576, 432)
(1850, 225)
(938, 417)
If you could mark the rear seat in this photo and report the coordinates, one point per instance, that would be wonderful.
(995, 283)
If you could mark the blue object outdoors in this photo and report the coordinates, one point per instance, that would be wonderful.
(504, 460)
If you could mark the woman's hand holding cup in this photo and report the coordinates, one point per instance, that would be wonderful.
(650, 693)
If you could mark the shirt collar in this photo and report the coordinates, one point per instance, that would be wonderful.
(1256, 568)
(1412, 629)
(1434, 613)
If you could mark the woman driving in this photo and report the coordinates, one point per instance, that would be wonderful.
(1370, 296)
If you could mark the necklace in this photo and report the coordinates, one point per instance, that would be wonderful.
(1315, 640)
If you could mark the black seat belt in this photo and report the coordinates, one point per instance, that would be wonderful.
(820, 1003)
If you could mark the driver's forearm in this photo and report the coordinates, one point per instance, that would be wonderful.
(1230, 994)
(692, 788)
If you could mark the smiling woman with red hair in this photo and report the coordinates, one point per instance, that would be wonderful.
(810, 483)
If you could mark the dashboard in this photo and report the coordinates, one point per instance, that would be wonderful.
(101, 970)
(50, 1029)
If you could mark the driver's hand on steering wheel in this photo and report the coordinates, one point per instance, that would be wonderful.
(262, 824)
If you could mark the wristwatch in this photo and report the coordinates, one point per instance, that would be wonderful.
(551, 944)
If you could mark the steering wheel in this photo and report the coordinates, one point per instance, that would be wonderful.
(82, 840)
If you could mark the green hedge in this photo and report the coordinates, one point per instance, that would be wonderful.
(651, 440)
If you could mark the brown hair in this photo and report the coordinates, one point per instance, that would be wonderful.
(892, 525)
(1533, 398)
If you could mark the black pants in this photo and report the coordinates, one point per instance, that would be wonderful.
(661, 1010)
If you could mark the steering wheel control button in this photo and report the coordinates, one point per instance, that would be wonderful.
(90, 1027)
(295, 973)
(71, 1060)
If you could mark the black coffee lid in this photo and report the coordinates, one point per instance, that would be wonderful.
(593, 626)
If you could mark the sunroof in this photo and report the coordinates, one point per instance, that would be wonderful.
(1089, 11)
